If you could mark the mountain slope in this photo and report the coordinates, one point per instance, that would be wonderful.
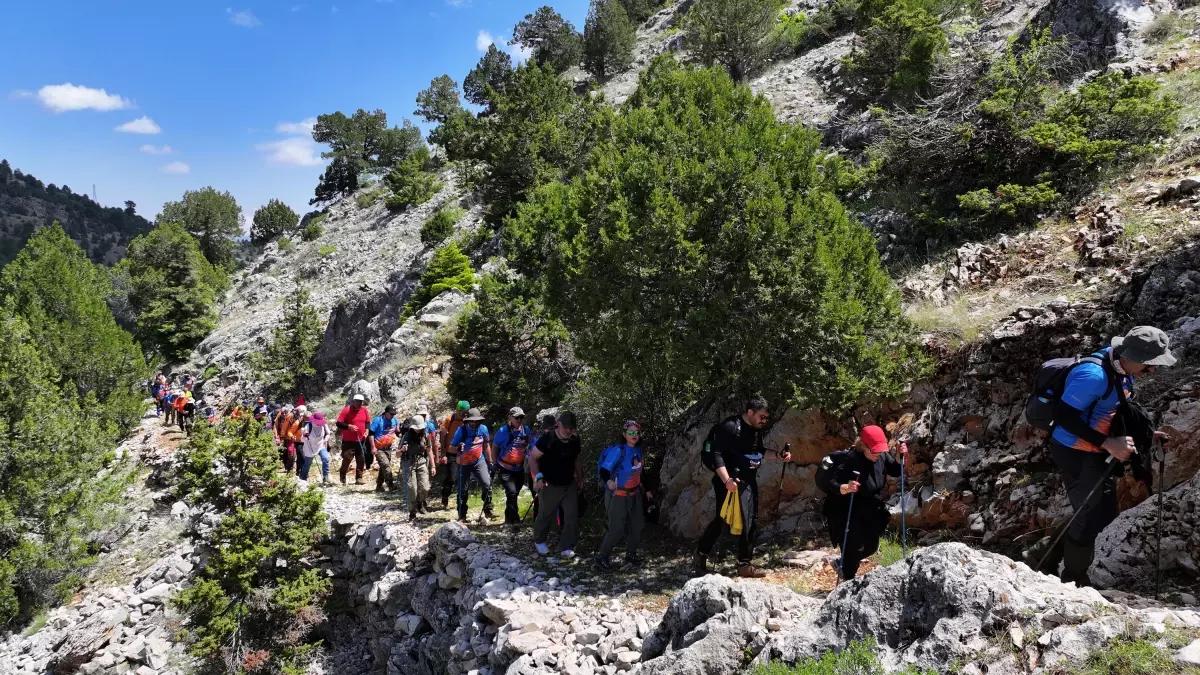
(26, 204)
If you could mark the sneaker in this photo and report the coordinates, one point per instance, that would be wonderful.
(568, 554)
(412, 515)
(749, 571)
(699, 565)
(604, 565)
(379, 488)
(445, 503)
(635, 561)
(542, 549)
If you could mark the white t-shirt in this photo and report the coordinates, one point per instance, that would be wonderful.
(315, 438)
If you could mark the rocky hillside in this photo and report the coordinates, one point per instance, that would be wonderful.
(26, 204)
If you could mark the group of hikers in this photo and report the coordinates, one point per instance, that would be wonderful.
(1083, 402)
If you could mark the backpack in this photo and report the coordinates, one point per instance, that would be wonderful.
(603, 456)
(1048, 387)
(706, 452)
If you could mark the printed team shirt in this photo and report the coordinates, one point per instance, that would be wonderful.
(1085, 386)
(472, 443)
(624, 462)
(511, 446)
(381, 427)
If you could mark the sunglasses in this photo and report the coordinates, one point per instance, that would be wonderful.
(633, 432)
(518, 417)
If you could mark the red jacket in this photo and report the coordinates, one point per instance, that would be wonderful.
(362, 420)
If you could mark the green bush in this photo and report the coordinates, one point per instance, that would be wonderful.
(448, 268)
(286, 363)
(366, 199)
(211, 371)
(699, 193)
(272, 220)
(60, 483)
(1009, 200)
(440, 225)
(897, 54)
(255, 605)
(327, 250)
(858, 658)
(507, 350)
(285, 244)
(798, 33)
(410, 183)
(1164, 27)
(312, 231)
(1127, 656)
(732, 33)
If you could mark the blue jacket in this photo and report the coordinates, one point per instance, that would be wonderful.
(624, 463)
(511, 445)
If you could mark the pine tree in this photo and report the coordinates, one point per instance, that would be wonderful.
(731, 32)
(493, 71)
(553, 39)
(172, 289)
(287, 362)
(59, 482)
(608, 39)
(272, 220)
(213, 218)
(254, 605)
(448, 268)
(63, 297)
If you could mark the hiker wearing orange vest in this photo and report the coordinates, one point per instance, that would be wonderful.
(447, 458)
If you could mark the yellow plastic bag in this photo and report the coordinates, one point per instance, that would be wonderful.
(731, 512)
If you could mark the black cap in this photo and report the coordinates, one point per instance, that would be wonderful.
(566, 419)
(548, 422)
(389, 410)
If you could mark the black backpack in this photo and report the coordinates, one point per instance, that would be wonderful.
(1048, 387)
(706, 452)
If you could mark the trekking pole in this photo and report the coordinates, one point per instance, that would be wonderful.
(903, 501)
(405, 467)
(1081, 509)
(1162, 460)
(846, 532)
(787, 448)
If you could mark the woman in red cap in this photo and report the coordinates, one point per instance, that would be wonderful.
(870, 459)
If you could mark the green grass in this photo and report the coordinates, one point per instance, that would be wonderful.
(286, 244)
(1125, 656)
(368, 198)
(211, 371)
(858, 658)
(1167, 27)
(889, 551)
(327, 250)
(37, 624)
(316, 220)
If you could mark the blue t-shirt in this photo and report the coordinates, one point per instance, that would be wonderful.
(380, 426)
(1086, 385)
(511, 445)
(624, 462)
(464, 434)
(430, 427)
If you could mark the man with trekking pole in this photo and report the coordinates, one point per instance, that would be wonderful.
(1095, 392)
(852, 481)
(733, 451)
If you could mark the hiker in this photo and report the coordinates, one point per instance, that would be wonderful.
(431, 428)
(835, 477)
(511, 443)
(620, 469)
(315, 443)
(547, 425)
(1080, 443)
(179, 404)
(416, 450)
(158, 390)
(733, 451)
(383, 441)
(557, 480)
(168, 403)
(449, 426)
(261, 414)
(352, 422)
(472, 447)
(188, 413)
(291, 426)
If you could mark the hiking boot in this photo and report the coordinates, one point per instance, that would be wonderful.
(412, 515)
(700, 565)
(748, 571)
(568, 554)
(489, 515)
(359, 481)
(635, 561)
(445, 503)
(380, 488)
(604, 565)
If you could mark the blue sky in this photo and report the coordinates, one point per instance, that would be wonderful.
(149, 99)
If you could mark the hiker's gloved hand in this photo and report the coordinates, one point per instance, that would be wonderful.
(847, 488)
(1120, 447)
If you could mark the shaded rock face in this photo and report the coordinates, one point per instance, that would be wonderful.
(1127, 550)
(947, 603)
(1099, 31)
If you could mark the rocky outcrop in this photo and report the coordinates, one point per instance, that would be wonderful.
(455, 606)
(1127, 551)
(360, 272)
(947, 603)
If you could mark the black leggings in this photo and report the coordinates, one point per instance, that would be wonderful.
(862, 541)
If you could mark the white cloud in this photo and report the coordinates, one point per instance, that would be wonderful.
(520, 53)
(142, 125)
(458, 3)
(245, 18)
(295, 151)
(333, 10)
(155, 150)
(302, 128)
(65, 97)
(484, 40)
(177, 167)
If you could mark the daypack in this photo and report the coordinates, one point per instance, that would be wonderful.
(707, 456)
(1048, 387)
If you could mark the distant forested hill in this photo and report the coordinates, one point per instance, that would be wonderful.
(26, 204)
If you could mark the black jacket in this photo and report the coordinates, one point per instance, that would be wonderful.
(838, 469)
(738, 447)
